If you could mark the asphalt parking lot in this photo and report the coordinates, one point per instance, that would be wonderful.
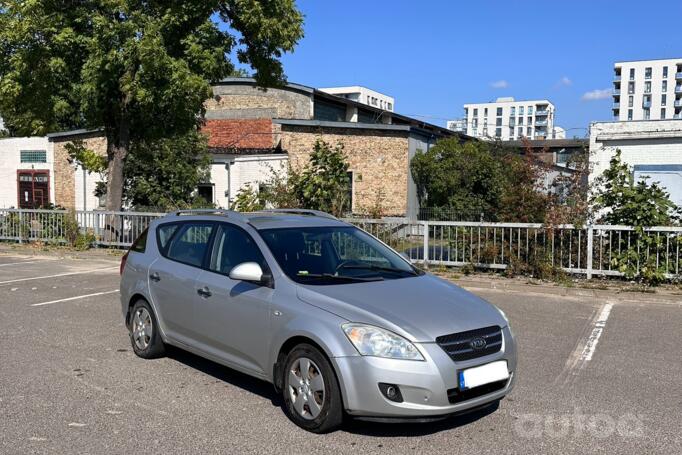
(595, 376)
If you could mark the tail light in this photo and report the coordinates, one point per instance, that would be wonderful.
(123, 262)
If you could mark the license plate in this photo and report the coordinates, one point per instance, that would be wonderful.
(485, 374)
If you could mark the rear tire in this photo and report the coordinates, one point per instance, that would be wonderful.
(311, 393)
(143, 329)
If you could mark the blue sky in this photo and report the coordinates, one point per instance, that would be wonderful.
(435, 55)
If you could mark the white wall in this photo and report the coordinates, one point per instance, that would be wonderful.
(89, 182)
(643, 143)
(10, 162)
(243, 170)
(363, 95)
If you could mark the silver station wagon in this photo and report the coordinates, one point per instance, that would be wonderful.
(339, 323)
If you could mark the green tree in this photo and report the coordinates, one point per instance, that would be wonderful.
(165, 173)
(139, 70)
(463, 176)
(323, 183)
(633, 203)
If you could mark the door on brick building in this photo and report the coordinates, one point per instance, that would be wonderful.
(33, 189)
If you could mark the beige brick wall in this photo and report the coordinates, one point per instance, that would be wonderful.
(378, 159)
(64, 170)
(242, 102)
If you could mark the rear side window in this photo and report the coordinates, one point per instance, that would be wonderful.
(140, 244)
(189, 244)
(164, 233)
(232, 247)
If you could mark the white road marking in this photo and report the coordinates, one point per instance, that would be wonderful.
(2, 283)
(18, 263)
(74, 298)
(584, 350)
(600, 323)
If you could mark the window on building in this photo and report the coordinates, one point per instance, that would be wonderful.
(664, 86)
(512, 121)
(646, 99)
(520, 120)
(499, 112)
(632, 74)
(474, 132)
(485, 112)
(520, 131)
(498, 121)
(530, 110)
(511, 132)
(647, 114)
(530, 120)
(33, 156)
(475, 112)
(663, 113)
(631, 88)
(663, 100)
(647, 87)
(647, 73)
(665, 71)
(389, 106)
(520, 110)
(513, 111)
(631, 101)
(329, 111)
(485, 130)
(529, 131)
(629, 114)
(498, 132)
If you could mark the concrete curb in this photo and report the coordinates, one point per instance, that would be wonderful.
(641, 297)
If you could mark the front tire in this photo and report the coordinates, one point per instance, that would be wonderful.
(312, 397)
(144, 332)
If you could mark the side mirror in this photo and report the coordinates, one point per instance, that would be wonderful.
(247, 271)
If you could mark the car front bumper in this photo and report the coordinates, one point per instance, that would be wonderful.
(424, 385)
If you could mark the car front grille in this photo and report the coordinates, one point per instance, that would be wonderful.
(463, 345)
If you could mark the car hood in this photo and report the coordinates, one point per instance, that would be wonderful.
(419, 308)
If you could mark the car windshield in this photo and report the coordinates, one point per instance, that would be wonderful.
(334, 255)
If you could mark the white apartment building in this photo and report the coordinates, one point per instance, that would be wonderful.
(459, 125)
(647, 90)
(363, 95)
(507, 119)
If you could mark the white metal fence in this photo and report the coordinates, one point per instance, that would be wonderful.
(588, 250)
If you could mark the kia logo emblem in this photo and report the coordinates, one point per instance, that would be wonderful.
(477, 343)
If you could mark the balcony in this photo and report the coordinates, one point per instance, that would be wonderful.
(678, 103)
(540, 113)
(616, 78)
(616, 92)
(678, 89)
(541, 123)
(678, 76)
(646, 104)
(677, 117)
(616, 105)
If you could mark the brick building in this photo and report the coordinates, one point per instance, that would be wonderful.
(252, 132)
(266, 125)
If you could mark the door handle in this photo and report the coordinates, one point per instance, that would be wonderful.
(154, 277)
(204, 292)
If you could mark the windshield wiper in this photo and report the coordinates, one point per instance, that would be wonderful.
(338, 277)
(377, 267)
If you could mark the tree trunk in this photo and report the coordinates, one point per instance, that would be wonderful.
(118, 143)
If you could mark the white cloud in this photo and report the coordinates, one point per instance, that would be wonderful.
(564, 82)
(499, 84)
(597, 95)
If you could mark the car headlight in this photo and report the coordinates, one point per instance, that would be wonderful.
(373, 341)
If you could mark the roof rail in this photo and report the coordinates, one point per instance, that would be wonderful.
(309, 212)
(219, 212)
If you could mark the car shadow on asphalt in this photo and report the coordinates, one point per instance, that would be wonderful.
(353, 426)
(243, 381)
(380, 429)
